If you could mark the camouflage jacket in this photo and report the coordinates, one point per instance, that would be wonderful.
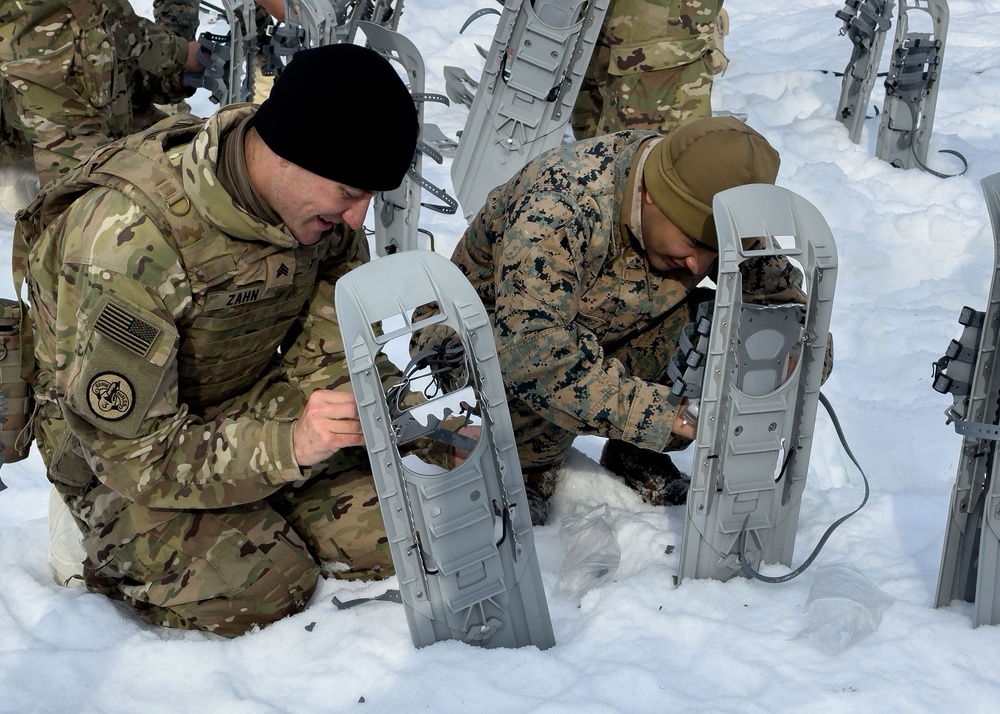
(75, 75)
(157, 341)
(548, 257)
(648, 35)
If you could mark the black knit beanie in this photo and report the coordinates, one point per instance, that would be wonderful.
(342, 112)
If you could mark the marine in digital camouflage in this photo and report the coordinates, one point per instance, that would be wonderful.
(652, 67)
(76, 75)
(166, 411)
(177, 16)
(555, 261)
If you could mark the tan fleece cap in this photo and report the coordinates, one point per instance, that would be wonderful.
(693, 163)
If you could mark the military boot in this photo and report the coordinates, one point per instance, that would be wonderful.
(652, 474)
(539, 486)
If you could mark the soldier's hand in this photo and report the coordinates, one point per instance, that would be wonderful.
(329, 423)
(473, 431)
(192, 63)
(275, 8)
(685, 424)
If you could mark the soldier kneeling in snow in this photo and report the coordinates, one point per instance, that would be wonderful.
(588, 261)
(194, 407)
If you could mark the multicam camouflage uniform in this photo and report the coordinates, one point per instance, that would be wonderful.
(652, 67)
(165, 413)
(177, 16)
(556, 264)
(75, 75)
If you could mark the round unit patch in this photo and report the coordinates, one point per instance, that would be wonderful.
(110, 396)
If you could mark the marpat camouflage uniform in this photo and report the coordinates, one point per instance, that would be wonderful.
(165, 410)
(179, 17)
(555, 264)
(652, 67)
(76, 75)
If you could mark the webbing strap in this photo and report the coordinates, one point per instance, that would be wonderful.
(862, 20)
(912, 70)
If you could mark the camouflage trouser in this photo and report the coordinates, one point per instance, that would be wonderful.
(542, 444)
(661, 100)
(227, 570)
(177, 16)
(14, 147)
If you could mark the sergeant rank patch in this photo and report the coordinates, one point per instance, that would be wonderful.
(110, 396)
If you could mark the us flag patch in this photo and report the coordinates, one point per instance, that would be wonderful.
(126, 329)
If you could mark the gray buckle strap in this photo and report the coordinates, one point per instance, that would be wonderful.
(953, 371)
(686, 370)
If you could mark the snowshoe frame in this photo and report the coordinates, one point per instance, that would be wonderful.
(754, 438)
(461, 541)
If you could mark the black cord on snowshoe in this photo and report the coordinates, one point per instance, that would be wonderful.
(748, 569)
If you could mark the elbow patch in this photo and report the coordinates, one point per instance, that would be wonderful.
(126, 353)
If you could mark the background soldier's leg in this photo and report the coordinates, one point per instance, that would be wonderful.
(177, 16)
(541, 448)
(337, 513)
(586, 115)
(223, 571)
(660, 100)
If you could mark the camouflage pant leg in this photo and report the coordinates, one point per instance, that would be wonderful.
(661, 100)
(14, 146)
(223, 571)
(177, 16)
(337, 513)
(589, 106)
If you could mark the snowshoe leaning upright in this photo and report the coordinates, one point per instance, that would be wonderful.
(228, 59)
(461, 539)
(397, 212)
(970, 371)
(866, 23)
(911, 87)
(754, 372)
(523, 100)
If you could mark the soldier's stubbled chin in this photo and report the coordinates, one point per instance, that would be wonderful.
(712, 269)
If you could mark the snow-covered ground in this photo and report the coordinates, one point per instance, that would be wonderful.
(913, 250)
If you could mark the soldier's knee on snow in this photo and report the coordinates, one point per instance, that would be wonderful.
(279, 591)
